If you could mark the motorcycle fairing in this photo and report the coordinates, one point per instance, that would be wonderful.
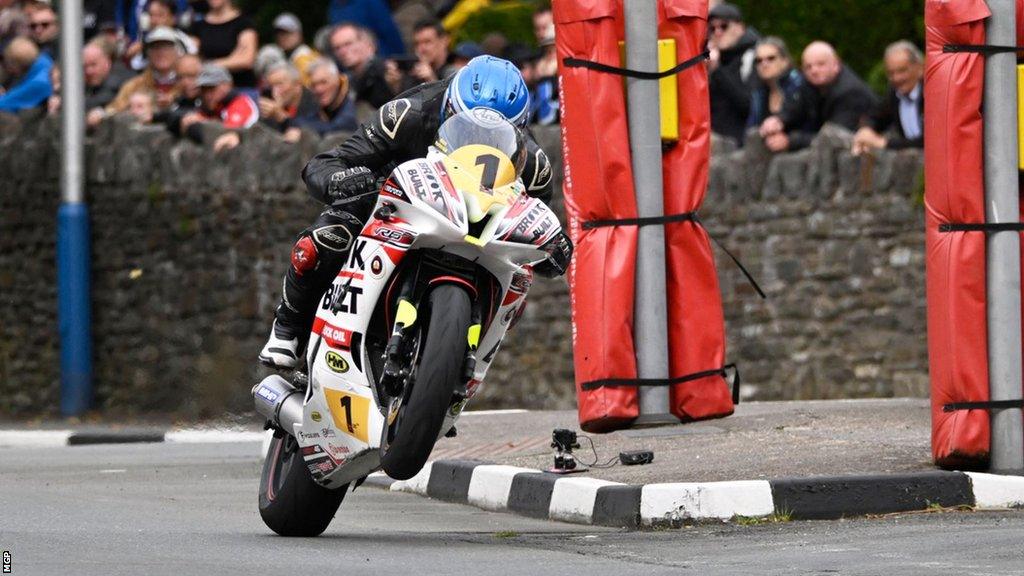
(343, 414)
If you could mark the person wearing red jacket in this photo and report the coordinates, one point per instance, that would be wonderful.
(220, 102)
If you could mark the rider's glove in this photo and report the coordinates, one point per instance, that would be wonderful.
(351, 184)
(559, 251)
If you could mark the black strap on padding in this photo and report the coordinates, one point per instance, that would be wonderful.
(985, 49)
(990, 405)
(599, 67)
(685, 216)
(983, 227)
(637, 382)
(649, 221)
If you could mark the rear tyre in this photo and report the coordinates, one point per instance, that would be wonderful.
(441, 357)
(291, 503)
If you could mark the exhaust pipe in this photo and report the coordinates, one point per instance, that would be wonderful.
(278, 401)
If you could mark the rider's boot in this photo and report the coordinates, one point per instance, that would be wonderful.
(317, 256)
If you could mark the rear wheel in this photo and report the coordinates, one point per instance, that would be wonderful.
(441, 357)
(291, 503)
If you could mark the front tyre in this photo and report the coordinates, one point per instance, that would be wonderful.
(441, 357)
(291, 503)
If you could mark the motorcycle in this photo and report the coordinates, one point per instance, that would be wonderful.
(405, 334)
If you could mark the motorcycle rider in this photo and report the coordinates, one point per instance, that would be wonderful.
(345, 179)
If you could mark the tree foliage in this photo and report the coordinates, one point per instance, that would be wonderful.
(859, 29)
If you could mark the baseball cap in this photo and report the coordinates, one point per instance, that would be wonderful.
(212, 75)
(288, 22)
(161, 34)
(726, 11)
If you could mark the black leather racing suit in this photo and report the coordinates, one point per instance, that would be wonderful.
(401, 131)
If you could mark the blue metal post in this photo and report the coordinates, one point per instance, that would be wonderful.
(73, 307)
(74, 310)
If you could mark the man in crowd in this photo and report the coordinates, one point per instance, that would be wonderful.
(898, 122)
(186, 73)
(336, 112)
(102, 78)
(431, 48)
(45, 30)
(30, 71)
(730, 68)
(161, 14)
(371, 79)
(373, 15)
(220, 103)
(288, 36)
(833, 93)
(288, 99)
(159, 78)
(543, 22)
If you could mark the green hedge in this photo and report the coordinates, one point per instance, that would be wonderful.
(859, 29)
(512, 18)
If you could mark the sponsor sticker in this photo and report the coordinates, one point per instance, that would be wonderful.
(315, 416)
(328, 433)
(336, 337)
(309, 435)
(336, 362)
(267, 394)
(377, 267)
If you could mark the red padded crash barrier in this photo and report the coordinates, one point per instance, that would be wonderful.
(957, 338)
(599, 186)
(696, 330)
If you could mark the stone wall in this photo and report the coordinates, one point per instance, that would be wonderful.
(189, 247)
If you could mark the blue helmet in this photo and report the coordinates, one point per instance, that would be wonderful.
(492, 83)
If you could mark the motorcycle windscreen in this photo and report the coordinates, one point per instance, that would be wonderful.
(696, 327)
(954, 193)
(598, 186)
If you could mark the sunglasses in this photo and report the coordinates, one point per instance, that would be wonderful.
(35, 25)
(759, 61)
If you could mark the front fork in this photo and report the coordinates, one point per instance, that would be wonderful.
(400, 352)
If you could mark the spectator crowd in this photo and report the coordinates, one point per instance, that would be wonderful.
(182, 63)
(757, 87)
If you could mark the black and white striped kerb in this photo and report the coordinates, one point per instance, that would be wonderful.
(57, 438)
(590, 501)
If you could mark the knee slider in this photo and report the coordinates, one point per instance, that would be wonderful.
(304, 255)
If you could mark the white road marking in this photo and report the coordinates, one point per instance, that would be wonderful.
(34, 438)
(213, 436)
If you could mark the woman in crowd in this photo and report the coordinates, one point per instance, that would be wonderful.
(777, 79)
(227, 37)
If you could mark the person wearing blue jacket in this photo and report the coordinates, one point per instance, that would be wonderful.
(31, 70)
(372, 14)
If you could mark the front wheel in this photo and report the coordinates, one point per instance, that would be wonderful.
(291, 503)
(441, 358)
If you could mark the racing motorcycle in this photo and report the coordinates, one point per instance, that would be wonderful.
(405, 334)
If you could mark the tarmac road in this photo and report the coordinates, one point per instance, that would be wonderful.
(191, 509)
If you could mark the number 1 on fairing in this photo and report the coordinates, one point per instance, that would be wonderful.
(490, 163)
(346, 403)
